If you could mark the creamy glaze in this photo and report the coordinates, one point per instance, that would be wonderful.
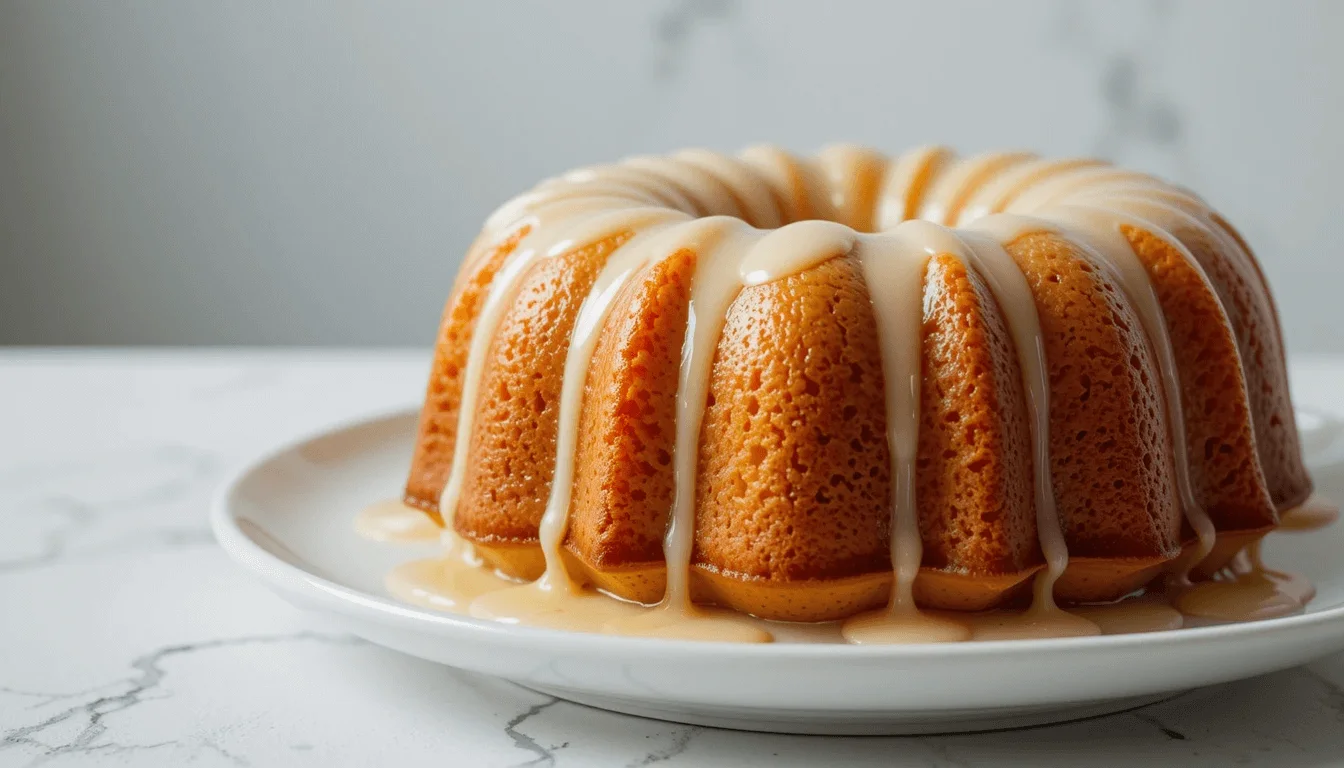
(1098, 229)
(950, 190)
(906, 181)
(450, 582)
(855, 176)
(999, 191)
(458, 582)
(797, 182)
(1246, 591)
(615, 274)
(748, 219)
(553, 603)
(1313, 514)
(713, 288)
(1144, 613)
(893, 266)
(541, 242)
(1013, 295)
(395, 521)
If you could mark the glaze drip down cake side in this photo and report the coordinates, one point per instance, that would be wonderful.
(861, 388)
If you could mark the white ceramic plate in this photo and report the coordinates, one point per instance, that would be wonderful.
(287, 517)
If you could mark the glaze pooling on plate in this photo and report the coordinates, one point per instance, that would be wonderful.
(393, 521)
(751, 220)
(286, 520)
(459, 582)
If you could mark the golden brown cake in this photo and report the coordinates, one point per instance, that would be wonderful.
(926, 376)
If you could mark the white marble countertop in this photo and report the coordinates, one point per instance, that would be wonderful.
(126, 637)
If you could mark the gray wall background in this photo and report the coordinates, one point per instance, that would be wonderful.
(308, 172)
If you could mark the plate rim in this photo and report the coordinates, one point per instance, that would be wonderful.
(288, 578)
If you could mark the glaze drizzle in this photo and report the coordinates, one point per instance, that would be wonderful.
(765, 215)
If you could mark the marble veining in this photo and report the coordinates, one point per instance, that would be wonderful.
(674, 28)
(92, 506)
(92, 716)
(677, 743)
(1138, 117)
(545, 755)
(128, 639)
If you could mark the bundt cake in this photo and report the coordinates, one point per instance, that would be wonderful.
(804, 388)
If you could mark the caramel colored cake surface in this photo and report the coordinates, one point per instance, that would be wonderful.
(807, 387)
